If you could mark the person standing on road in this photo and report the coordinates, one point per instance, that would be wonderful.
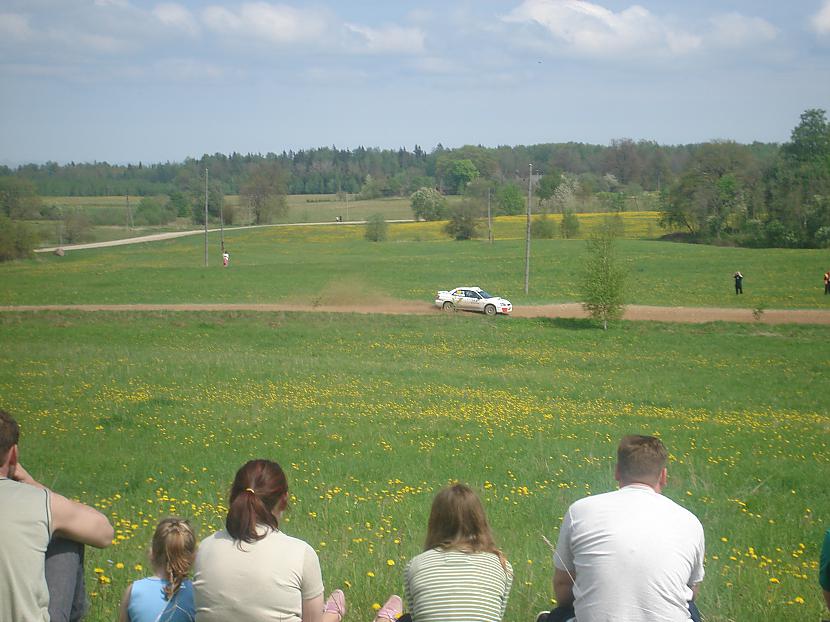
(827, 282)
(739, 282)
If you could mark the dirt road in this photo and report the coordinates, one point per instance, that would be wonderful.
(688, 315)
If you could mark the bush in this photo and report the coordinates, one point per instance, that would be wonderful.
(463, 222)
(542, 227)
(17, 239)
(376, 228)
(154, 211)
(428, 204)
(76, 227)
(569, 225)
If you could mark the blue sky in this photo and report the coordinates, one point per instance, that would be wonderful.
(129, 81)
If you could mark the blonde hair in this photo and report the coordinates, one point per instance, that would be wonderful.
(457, 522)
(174, 549)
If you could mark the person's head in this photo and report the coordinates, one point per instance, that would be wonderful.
(259, 495)
(9, 437)
(457, 522)
(173, 551)
(641, 460)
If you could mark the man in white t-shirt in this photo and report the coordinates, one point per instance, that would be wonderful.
(631, 554)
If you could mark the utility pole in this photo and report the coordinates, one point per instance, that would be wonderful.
(206, 217)
(489, 219)
(527, 231)
(129, 214)
(222, 228)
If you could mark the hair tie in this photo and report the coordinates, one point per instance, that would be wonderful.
(251, 490)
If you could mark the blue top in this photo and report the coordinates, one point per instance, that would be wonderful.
(147, 603)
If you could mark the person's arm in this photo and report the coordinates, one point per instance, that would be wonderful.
(827, 598)
(563, 587)
(695, 590)
(123, 614)
(313, 609)
(71, 519)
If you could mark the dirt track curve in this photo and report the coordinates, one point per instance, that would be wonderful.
(689, 315)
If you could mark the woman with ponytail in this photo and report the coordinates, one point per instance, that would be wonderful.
(167, 596)
(251, 570)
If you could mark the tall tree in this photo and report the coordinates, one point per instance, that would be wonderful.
(603, 286)
(264, 191)
(428, 204)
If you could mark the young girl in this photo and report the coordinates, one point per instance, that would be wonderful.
(461, 575)
(167, 596)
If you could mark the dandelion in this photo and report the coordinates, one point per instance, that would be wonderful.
(390, 562)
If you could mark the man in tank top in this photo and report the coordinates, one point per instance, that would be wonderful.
(38, 523)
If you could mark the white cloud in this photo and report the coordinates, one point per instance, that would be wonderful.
(821, 20)
(736, 30)
(176, 16)
(271, 22)
(14, 27)
(589, 29)
(394, 39)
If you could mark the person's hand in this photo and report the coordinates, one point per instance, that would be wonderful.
(19, 474)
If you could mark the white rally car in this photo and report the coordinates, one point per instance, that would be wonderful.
(472, 299)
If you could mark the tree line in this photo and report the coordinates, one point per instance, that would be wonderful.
(721, 192)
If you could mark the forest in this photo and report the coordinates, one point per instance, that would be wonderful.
(721, 192)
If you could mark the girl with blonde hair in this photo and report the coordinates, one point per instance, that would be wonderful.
(461, 575)
(168, 595)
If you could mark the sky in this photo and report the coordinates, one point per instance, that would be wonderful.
(128, 81)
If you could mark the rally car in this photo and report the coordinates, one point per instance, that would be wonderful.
(472, 299)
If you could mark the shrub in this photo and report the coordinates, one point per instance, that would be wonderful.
(542, 227)
(569, 225)
(428, 204)
(463, 222)
(17, 239)
(376, 228)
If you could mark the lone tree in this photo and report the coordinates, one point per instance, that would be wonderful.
(264, 191)
(463, 221)
(376, 228)
(428, 204)
(569, 225)
(604, 281)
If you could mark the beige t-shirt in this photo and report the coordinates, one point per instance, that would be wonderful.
(25, 530)
(265, 580)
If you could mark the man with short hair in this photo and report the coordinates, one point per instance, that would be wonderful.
(30, 515)
(631, 554)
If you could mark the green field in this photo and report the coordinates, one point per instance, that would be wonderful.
(334, 263)
(147, 415)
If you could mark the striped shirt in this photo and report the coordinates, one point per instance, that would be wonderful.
(447, 586)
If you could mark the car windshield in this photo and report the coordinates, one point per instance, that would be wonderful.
(484, 294)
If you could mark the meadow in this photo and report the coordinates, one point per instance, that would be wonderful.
(146, 415)
(150, 414)
(334, 263)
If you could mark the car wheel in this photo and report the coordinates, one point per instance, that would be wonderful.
(490, 310)
(449, 307)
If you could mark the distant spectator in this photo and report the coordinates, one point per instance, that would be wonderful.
(827, 282)
(824, 568)
(739, 283)
(167, 596)
(251, 570)
(226, 259)
(41, 542)
(461, 575)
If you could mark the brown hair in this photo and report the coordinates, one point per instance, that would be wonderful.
(457, 522)
(641, 458)
(256, 489)
(9, 434)
(174, 548)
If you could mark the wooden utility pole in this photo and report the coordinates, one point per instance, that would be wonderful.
(527, 231)
(206, 218)
(489, 219)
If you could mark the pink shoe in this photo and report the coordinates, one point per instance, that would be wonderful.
(391, 610)
(336, 604)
